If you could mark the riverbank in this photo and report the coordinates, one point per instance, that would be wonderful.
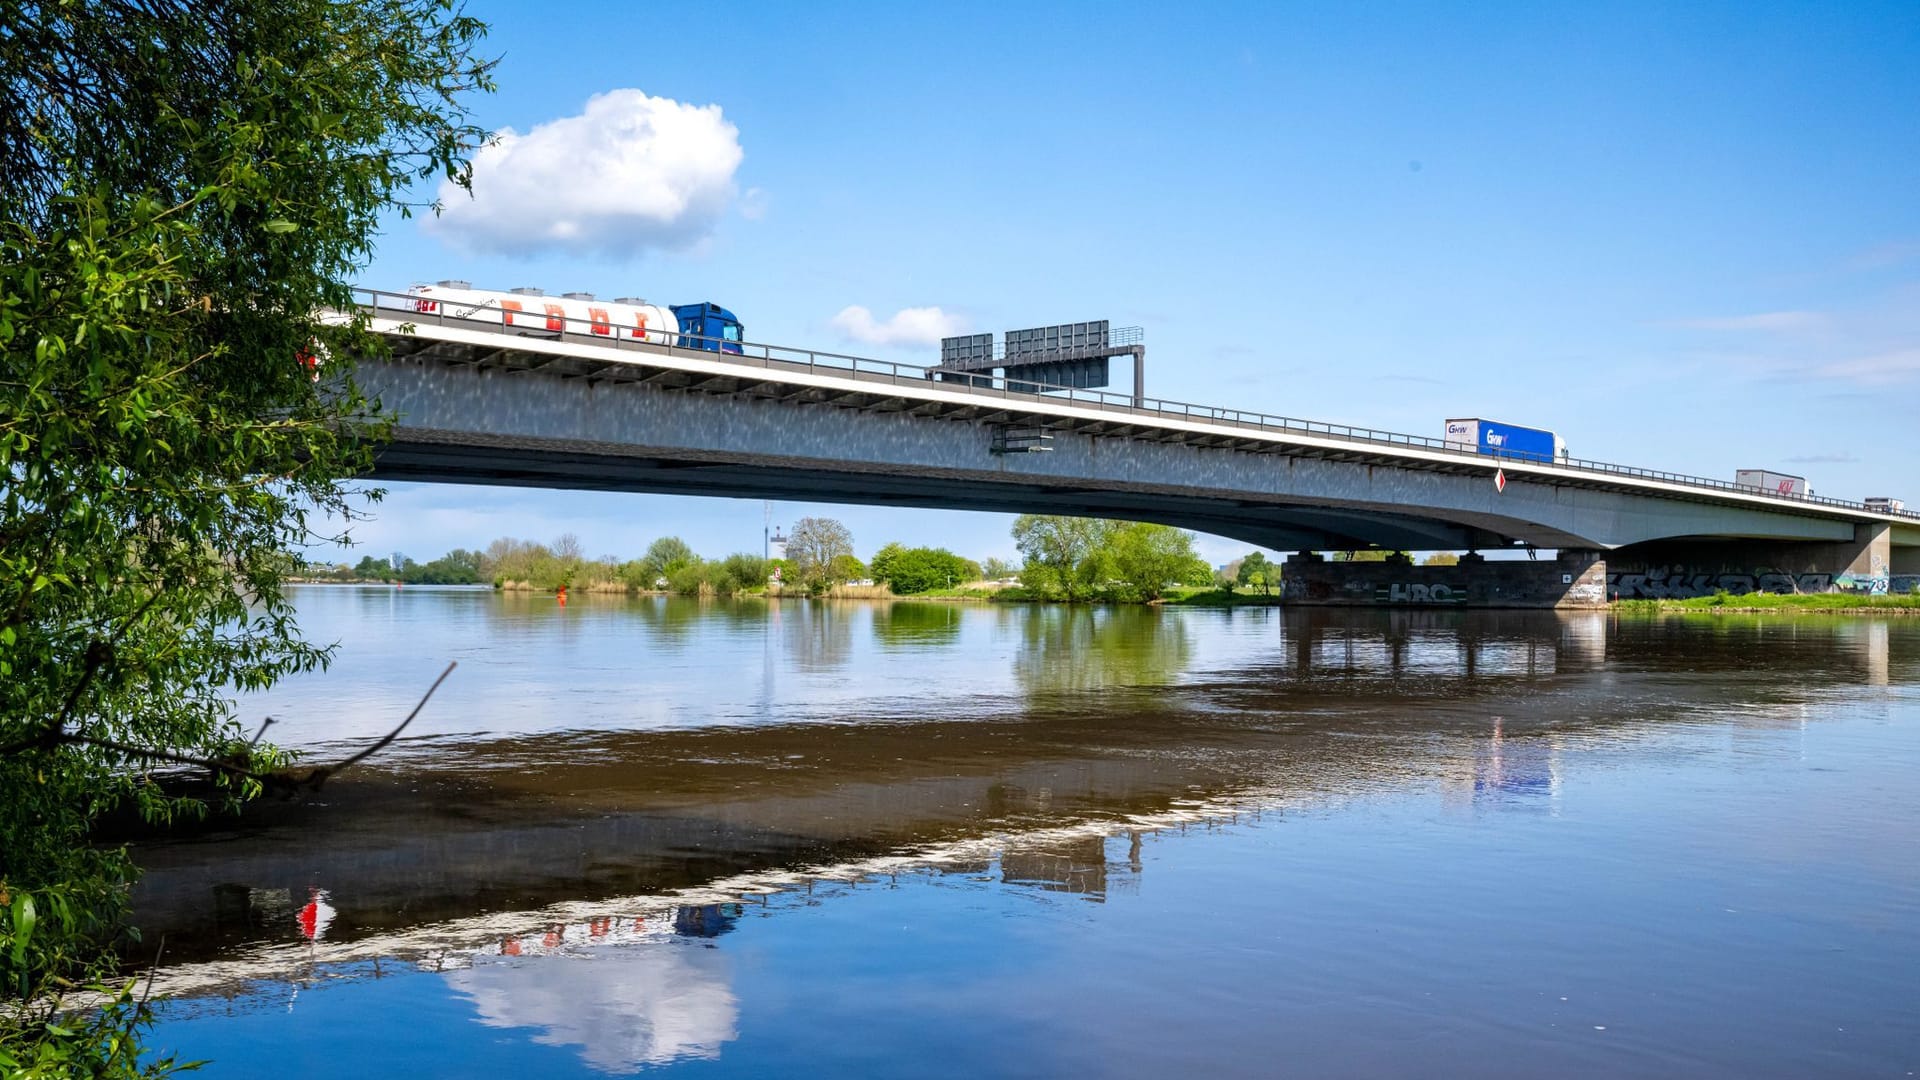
(1783, 603)
(1216, 598)
(1749, 604)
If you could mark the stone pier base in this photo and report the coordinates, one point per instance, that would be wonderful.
(1577, 579)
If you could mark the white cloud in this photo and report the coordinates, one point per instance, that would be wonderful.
(753, 204)
(909, 326)
(1885, 255)
(1896, 366)
(631, 172)
(1872, 341)
(1775, 322)
(644, 1004)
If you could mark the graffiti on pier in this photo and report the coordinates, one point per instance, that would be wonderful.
(1877, 584)
(1679, 583)
(1399, 593)
(1871, 584)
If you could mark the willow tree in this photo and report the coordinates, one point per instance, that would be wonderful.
(186, 188)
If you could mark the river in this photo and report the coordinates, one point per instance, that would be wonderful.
(846, 838)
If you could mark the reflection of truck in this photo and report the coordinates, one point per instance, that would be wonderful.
(1771, 482)
(1885, 505)
(1505, 440)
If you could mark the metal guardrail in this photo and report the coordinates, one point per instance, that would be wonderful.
(388, 304)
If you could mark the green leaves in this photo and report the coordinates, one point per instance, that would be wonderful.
(201, 180)
(1079, 558)
(22, 919)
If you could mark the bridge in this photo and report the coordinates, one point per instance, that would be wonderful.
(571, 408)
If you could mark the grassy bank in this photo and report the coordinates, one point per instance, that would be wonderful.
(1819, 603)
(1219, 598)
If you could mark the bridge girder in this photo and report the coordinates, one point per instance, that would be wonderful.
(718, 427)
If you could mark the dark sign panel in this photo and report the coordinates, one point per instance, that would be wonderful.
(1063, 338)
(969, 352)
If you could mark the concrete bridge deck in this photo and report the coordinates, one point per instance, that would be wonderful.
(479, 404)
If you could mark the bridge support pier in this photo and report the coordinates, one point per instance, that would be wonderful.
(1576, 579)
(1869, 563)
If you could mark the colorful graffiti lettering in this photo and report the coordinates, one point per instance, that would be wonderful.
(1877, 584)
(1871, 584)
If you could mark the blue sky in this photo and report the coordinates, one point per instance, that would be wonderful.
(1683, 237)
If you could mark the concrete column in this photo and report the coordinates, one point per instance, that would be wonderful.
(1872, 551)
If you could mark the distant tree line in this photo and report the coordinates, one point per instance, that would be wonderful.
(819, 557)
(908, 571)
(509, 563)
(1073, 559)
(1064, 558)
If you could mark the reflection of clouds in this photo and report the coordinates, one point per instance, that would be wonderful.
(644, 1004)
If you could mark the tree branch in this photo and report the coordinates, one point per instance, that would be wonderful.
(286, 780)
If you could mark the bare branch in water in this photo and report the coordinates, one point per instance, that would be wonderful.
(395, 733)
(153, 970)
(283, 781)
(264, 725)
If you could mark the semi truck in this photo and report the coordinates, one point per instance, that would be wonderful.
(1884, 504)
(689, 326)
(1493, 438)
(1772, 482)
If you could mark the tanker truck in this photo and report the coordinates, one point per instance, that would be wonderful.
(531, 311)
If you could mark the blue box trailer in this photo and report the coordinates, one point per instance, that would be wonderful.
(1510, 441)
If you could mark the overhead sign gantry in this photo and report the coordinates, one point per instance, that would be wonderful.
(1071, 356)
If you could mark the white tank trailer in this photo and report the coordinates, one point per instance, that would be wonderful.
(535, 312)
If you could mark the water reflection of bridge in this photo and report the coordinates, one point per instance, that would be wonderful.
(488, 840)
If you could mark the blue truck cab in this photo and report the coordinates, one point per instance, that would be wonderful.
(708, 326)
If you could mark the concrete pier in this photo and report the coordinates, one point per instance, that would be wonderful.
(1574, 580)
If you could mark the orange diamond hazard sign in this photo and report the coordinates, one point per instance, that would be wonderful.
(1500, 480)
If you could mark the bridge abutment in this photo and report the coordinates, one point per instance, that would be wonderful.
(1576, 579)
(1676, 569)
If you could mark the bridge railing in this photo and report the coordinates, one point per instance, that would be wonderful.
(783, 357)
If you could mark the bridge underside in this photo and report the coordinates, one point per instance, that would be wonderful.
(421, 456)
